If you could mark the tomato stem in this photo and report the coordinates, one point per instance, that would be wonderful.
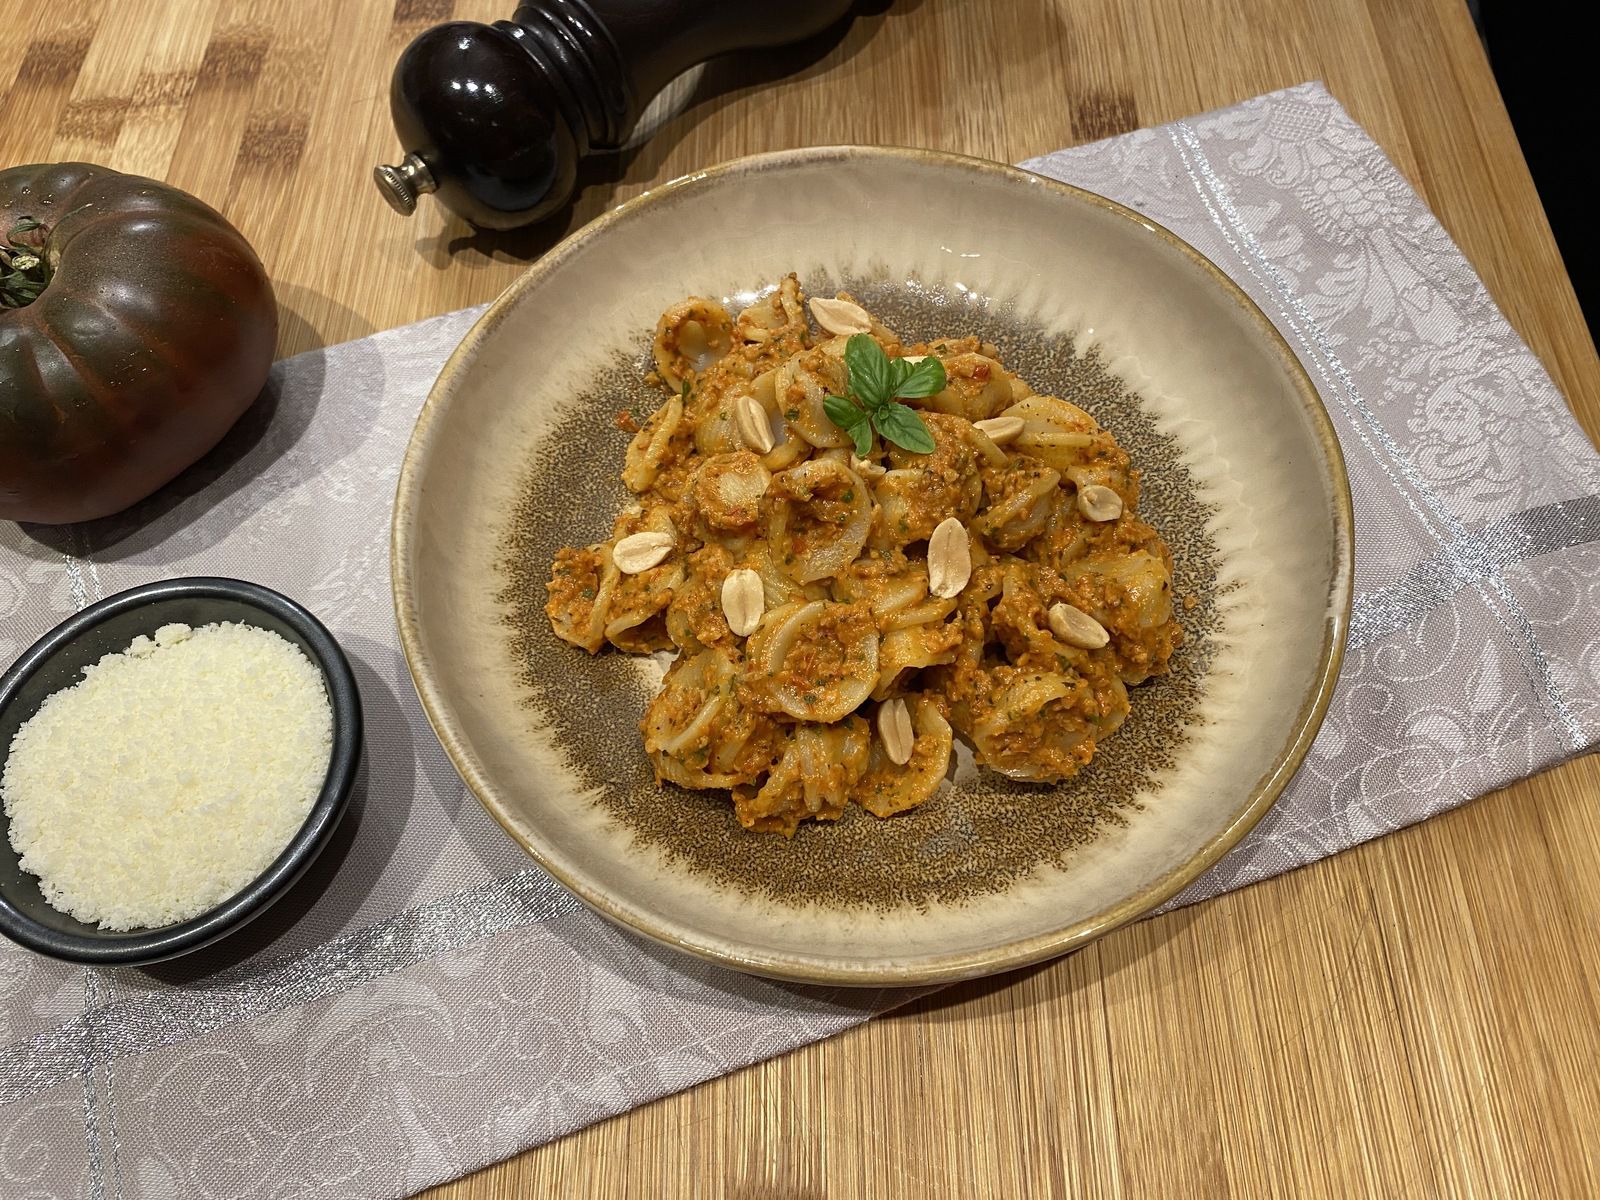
(24, 266)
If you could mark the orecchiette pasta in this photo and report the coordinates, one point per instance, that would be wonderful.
(740, 469)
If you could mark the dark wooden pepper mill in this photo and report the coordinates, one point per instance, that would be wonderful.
(494, 118)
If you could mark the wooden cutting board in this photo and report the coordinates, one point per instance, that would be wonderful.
(1417, 1017)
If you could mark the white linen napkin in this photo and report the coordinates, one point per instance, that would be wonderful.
(428, 1002)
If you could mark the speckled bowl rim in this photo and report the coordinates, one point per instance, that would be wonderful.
(143, 947)
(934, 968)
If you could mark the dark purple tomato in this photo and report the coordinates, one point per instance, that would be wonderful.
(137, 326)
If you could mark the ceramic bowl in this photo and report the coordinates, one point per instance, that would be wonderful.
(516, 452)
(56, 661)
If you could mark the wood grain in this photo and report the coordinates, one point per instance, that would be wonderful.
(1416, 1017)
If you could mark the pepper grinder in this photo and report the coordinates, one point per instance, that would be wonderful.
(495, 118)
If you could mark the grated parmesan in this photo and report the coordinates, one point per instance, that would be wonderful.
(170, 776)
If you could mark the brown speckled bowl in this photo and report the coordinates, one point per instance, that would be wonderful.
(515, 453)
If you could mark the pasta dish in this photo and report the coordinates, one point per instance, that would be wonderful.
(860, 548)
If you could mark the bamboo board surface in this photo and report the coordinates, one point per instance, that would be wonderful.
(1416, 1017)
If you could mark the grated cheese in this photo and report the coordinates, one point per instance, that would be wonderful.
(170, 776)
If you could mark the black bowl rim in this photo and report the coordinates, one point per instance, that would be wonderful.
(245, 905)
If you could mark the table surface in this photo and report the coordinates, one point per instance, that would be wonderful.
(1418, 1016)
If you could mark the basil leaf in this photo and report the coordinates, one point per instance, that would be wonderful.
(861, 434)
(924, 379)
(844, 413)
(871, 376)
(904, 428)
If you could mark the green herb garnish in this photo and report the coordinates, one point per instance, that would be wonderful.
(874, 382)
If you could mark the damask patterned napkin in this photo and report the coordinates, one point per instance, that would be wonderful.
(427, 1002)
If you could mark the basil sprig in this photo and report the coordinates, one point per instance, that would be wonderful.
(874, 382)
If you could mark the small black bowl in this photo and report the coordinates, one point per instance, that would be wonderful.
(56, 661)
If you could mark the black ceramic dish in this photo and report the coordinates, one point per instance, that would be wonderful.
(55, 662)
